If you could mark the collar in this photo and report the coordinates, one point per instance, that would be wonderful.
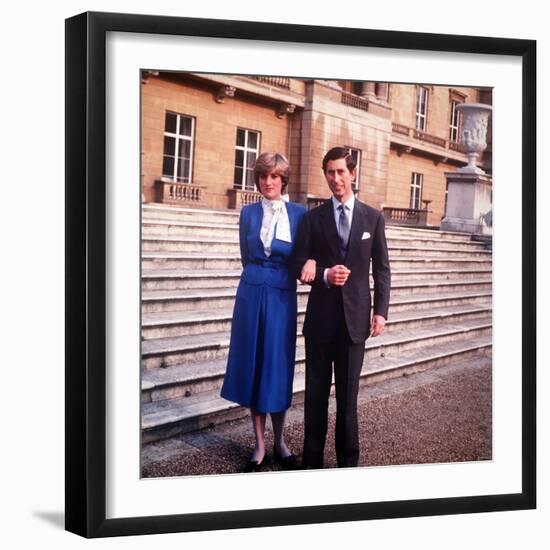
(273, 205)
(349, 203)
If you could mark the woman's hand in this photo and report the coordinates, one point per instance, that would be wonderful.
(308, 271)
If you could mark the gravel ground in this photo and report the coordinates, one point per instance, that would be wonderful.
(442, 415)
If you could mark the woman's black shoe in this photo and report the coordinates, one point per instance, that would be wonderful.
(286, 462)
(254, 465)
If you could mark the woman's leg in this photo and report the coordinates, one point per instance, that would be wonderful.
(278, 422)
(258, 424)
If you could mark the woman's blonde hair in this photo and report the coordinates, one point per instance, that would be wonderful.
(272, 162)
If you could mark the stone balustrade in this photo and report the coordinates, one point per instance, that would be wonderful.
(241, 197)
(172, 192)
(405, 216)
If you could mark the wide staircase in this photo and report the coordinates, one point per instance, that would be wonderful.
(440, 312)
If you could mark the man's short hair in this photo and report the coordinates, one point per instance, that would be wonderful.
(272, 162)
(339, 153)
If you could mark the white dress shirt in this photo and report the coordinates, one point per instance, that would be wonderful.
(349, 204)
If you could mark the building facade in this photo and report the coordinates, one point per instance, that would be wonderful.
(202, 133)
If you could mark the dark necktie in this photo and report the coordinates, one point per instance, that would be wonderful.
(343, 228)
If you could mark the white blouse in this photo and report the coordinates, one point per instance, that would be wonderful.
(275, 223)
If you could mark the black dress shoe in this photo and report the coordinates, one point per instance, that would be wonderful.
(286, 462)
(254, 465)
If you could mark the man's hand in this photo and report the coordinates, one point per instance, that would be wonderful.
(308, 271)
(337, 275)
(377, 325)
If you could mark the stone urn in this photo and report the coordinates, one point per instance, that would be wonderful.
(473, 134)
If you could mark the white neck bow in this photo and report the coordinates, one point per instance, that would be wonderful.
(275, 223)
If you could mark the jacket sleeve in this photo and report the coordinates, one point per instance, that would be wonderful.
(303, 251)
(381, 270)
(300, 252)
(243, 232)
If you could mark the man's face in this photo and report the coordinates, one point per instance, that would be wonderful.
(339, 179)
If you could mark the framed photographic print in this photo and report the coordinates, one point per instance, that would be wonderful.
(167, 121)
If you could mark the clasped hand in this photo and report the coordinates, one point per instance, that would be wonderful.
(337, 275)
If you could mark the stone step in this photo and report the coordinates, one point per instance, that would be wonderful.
(227, 227)
(166, 352)
(214, 299)
(155, 301)
(169, 417)
(153, 243)
(445, 252)
(178, 280)
(190, 261)
(174, 279)
(196, 261)
(189, 379)
(403, 298)
(219, 229)
(163, 211)
(185, 243)
(174, 324)
(159, 211)
(428, 233)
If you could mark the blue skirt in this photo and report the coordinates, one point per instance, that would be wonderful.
(262, 351)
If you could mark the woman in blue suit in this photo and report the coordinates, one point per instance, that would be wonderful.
(260, 365)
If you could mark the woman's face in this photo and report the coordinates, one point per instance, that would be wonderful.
(270, 186)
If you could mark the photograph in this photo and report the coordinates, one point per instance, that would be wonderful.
(316, 273)
(277, 278)
(290, 274)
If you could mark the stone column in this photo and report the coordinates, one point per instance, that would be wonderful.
(381, 91)
(368, 90)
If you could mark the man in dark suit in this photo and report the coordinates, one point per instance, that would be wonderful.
(342, 236)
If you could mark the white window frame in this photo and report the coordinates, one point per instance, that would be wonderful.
(417, 182)
(177, 135)
(356, 180)
(422, 95)
(455, 122)
(246, 149)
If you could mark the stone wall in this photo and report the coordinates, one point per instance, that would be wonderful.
(322, 119)
(215, 132)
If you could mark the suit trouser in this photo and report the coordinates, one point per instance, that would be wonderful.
(348, 360)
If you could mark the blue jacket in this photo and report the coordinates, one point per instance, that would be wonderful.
(258, 268)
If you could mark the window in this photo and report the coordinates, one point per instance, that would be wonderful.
(416, 190)
(421, 107)
(246, 153)
(356, 155)
(179, 132)
(455, 122)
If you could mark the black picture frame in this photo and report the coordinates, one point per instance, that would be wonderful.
(86, 273)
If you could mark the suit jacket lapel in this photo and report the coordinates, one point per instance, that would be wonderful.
(330, 230)
(357, 225)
